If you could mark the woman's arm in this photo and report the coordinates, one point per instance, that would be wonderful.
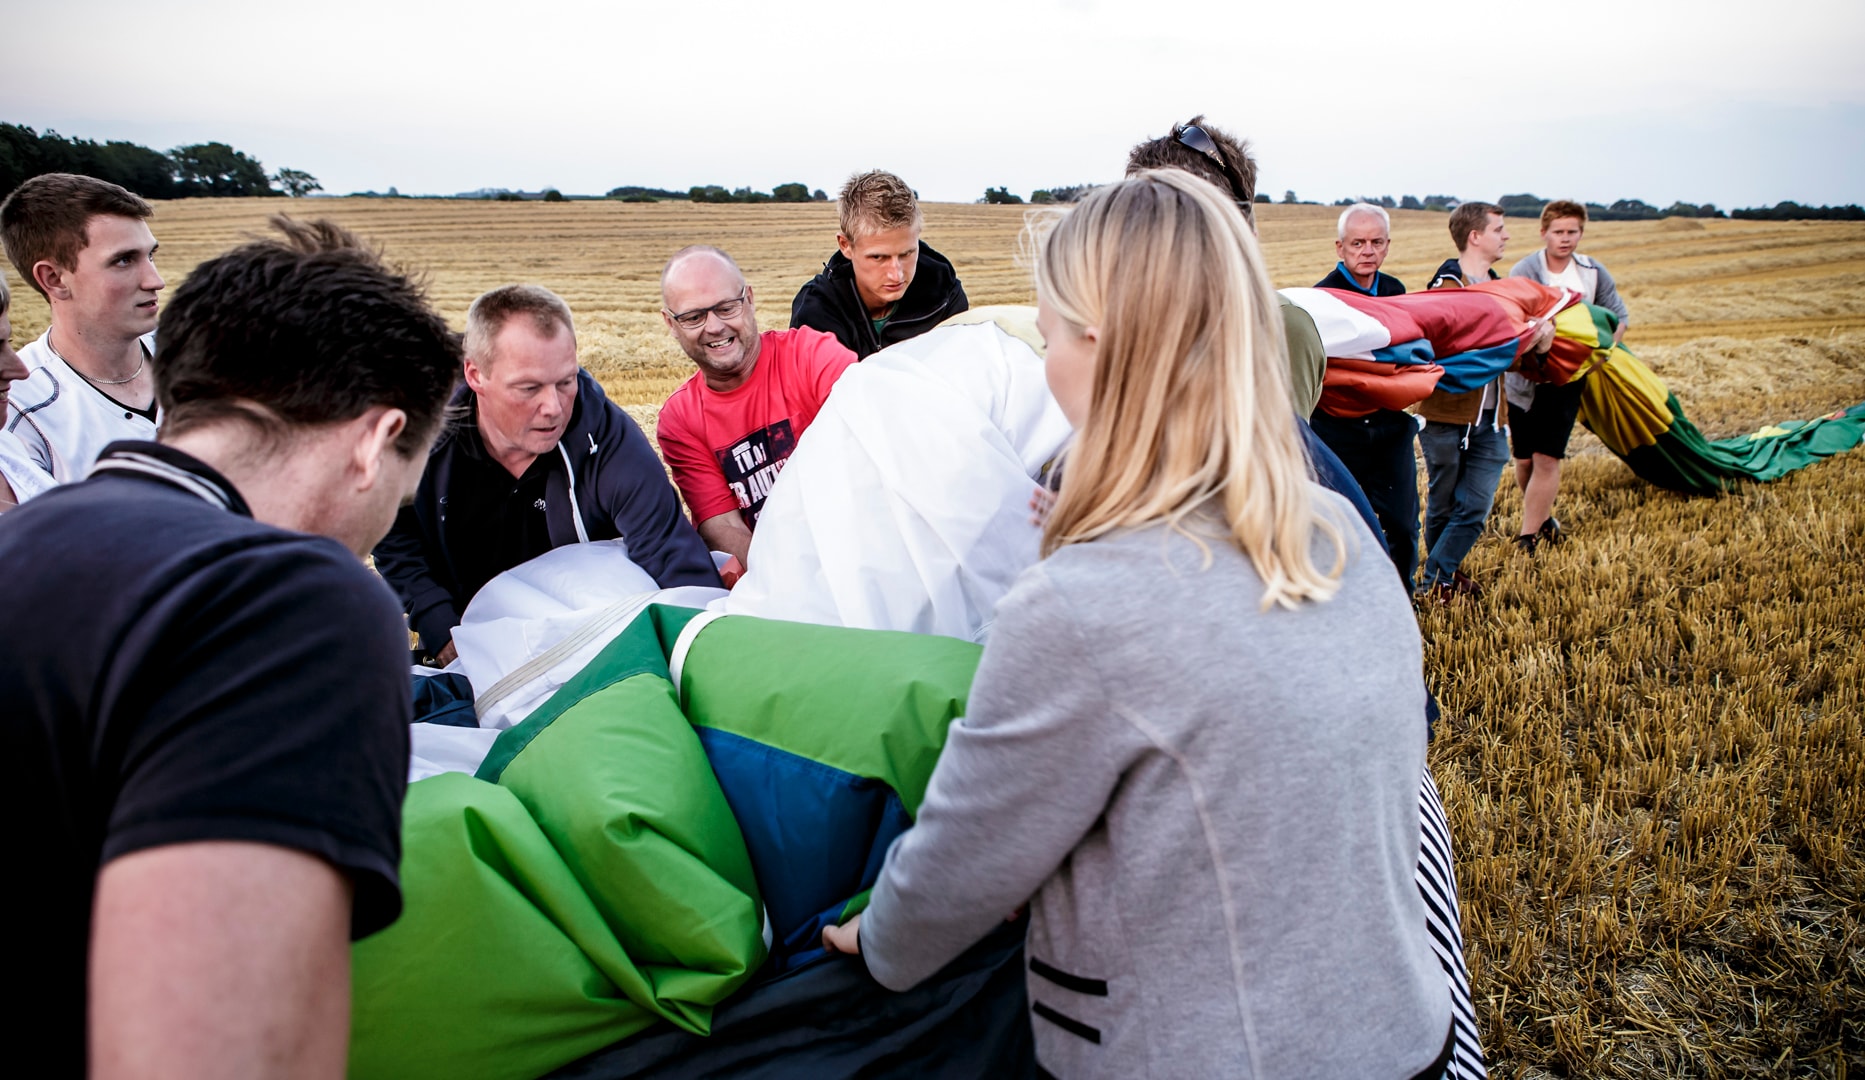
(1023, 777)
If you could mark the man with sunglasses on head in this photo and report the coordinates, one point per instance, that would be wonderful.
(1207, 151)
(537, 457)
(729, 429)
(1214, 155)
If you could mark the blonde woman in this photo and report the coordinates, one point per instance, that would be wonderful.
(1192, 745)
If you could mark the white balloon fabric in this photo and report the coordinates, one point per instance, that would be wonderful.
(905, 506)
(532, 628)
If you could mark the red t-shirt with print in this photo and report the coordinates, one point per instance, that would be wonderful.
(726, 450)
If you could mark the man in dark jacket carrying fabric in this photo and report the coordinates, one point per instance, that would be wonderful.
(539, 458)
(1377, 447)
(884, 284)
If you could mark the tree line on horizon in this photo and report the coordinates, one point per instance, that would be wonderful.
(218, 170)
(1516, 206)
(199, 169)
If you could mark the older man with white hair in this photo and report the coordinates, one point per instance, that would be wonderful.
(1376, 448)
(1362, 238)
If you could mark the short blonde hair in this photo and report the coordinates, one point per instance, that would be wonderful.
(1190, 400)
(875, 201)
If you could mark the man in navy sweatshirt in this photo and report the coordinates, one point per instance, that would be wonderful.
(539, 457)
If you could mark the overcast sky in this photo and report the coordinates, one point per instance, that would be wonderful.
(1736, 104)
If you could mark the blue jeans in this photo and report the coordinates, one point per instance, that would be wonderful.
(1377, 450)
(1461, 478)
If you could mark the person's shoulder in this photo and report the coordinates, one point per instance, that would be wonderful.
(1450, 272)
(1297, 323)
(1396, 287)
(820, 346)
(1526, 266)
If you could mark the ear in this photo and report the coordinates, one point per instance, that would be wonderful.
(750, 296)
(51, 279)
(474, 375)
(844, 245)
(377, 431)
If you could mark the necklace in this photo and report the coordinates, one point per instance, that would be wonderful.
(140, 364)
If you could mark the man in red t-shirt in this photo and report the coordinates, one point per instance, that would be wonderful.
(727, 431)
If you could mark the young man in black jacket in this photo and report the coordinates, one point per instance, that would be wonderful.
(884, 284)
(538, 458)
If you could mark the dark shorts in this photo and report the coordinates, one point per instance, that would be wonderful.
(1544, 426)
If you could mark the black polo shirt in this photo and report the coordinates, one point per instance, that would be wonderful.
(178, 672)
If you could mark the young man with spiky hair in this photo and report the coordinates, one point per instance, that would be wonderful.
(883, 284)
(206, 702)
(1541, 417)
(85, 245)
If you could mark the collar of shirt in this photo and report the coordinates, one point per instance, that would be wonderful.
(167, 465)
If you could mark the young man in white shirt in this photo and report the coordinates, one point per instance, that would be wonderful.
(1541, 417)
(85, 245)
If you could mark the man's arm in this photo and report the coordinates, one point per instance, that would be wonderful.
(633, 492)
(727, 532)
(401, 559)
(220, 959)
(1606, 295)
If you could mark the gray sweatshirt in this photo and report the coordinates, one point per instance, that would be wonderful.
(1212, 811)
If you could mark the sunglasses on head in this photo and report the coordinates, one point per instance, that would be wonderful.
(1196, 138)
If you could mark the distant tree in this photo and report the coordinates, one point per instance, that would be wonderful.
(509, 196)
(1001, 196)
(1345, 202)
(1440, 202)
(819, 195)
(709, 193)
(296, 183)
(790, 193)
(1522, 206)
(1410, 202)
(1262, 197)
(1793, 211)
(652, 193)
(553, 195)
(219, 170)
(747, 195)
(1289, 197)
(1042, 195)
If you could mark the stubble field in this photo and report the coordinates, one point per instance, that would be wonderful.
(1654, 748)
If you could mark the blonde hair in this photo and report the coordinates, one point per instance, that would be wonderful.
(874, 202)
(1190, 400)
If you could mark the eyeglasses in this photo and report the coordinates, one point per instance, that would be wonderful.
(1195, 137)
(693, 320)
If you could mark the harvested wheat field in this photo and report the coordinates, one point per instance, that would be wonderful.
(1654, 747)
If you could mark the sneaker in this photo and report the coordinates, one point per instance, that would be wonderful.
(1459, 587)
(1527, 542)
(1551, 532)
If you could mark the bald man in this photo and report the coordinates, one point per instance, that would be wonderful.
(727, 431)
